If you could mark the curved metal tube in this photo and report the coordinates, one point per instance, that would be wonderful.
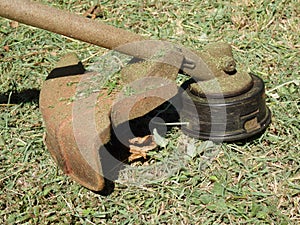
(98, 33)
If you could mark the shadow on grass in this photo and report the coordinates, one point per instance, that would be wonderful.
(32, 95)
(114, 155)
(29, 95)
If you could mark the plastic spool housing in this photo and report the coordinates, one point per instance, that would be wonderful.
(245, 114)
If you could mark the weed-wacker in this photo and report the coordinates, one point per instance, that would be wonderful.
(217, 102)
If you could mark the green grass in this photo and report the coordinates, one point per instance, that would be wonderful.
(257, 182)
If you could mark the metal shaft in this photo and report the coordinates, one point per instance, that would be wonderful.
(95, 32)
(66, 23)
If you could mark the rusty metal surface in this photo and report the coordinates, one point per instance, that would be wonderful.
(223, 86)
(94, 32)
(68, 146)
(78, 126)
(75, 142)
(228, 81)
(66, 23)
(147, 85)
(56, 109)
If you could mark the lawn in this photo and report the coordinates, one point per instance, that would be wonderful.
(254, 182)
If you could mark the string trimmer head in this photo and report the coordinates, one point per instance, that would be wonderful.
(84, 118)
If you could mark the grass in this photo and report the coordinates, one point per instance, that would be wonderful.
(257, 182)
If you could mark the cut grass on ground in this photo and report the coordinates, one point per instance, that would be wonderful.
(257, 182)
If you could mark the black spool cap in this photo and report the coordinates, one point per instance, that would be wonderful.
(226, 119)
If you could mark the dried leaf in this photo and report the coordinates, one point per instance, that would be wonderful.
(141, 140)
(140, 146)
(133, 157)
(6, 48)
(14, 24)
(93, 12)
